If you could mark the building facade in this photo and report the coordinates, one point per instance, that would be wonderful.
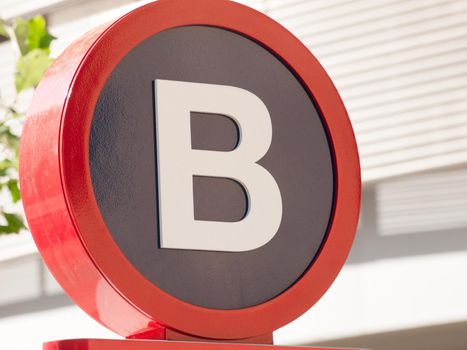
(401, 69)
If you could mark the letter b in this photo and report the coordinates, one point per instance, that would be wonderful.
(177, 163)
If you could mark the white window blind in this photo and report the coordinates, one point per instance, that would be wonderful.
(400, 66)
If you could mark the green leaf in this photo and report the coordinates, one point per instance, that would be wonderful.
(30, 68)
(21, 29)
(12, 185)
(14, 223)
(5, 166)
(3, 31)
(32, 34)
(8, 138)
(39, 37)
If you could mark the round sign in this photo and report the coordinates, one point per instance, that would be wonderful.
(192, 166)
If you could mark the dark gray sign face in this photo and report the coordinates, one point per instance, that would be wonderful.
(125, 177)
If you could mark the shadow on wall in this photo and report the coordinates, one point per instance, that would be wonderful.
(45, 302)
(421, 214)
(449, 336)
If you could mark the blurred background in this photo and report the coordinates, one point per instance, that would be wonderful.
(401, 69)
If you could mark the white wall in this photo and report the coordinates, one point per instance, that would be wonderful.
(401, 68)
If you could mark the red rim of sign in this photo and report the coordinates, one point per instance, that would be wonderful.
(62, 210)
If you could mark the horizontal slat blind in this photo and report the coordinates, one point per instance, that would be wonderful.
(423, 203)
(13, 8)
(400, 66)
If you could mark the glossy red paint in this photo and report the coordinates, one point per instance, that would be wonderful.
(63, 214)
(102, 344)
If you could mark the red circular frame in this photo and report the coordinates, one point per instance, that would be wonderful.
(58, 194)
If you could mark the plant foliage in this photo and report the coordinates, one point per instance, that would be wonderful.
(31, 40)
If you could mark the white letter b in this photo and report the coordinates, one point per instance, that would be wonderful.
(177, 163)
